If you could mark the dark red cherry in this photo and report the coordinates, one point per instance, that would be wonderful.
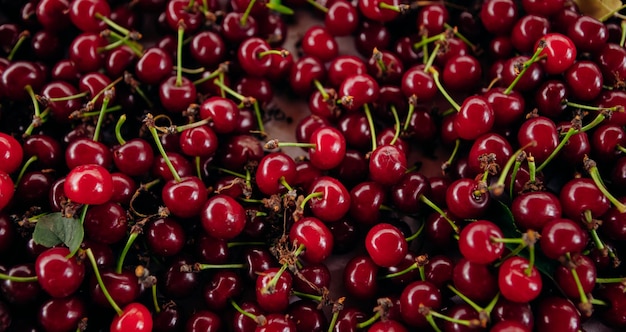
(386, 245)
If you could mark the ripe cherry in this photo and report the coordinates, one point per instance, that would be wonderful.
(12, 153)
(386, 245)
(57, 274)
(135, 317)
(316, 238)
(477, 242)
(518, 280)
(223, 217)
(88, 184)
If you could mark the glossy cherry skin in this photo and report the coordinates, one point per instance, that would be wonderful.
(106, 223)
(580, 195)
(487, 144)
(320, 43)
(184, 199)
(586, 272)
(416, 81)
(316, 238)
(476, 281)
(515, 284)
(385, 244)
(12, 153)
(475, 117)
(271, 169)
(414, 295)
(177, 97)
(359, 277)
(165, 237)
(123, 287)
(58, 275)
(329, 150)
(276, 300)
(342, 18)
(387, 165)
(556, 313)
(134, 317)
(476, 242)
(366, 199)
(499, 16)
(465, 200)
(534, 209)
(362, 88)
(223, 217)
(584, 80)
(7, 190)
(88, 184)
(63, 314)
(541, 130)
(306, 316)
(134, 158)
(559, 52)
(334, 202)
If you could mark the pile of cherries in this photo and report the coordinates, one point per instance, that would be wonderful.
(141, 191)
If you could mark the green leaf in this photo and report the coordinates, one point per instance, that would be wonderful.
(501, 215)
(278, 7)
(598, 9)
(54, 228)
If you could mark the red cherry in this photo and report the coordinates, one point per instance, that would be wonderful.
(89, 184)
(7, 189)
(515, 284)
(386, 245)
(57, 274)
(559, 52)
(135, 317)
(11, 153)
(476, 242)
(316, 238)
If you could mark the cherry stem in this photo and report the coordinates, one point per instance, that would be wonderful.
(409, 114)
(105, 292)
(610, 280)
(370, 122)
(241, 311)
(72, 97)
(593, 171)
(37, 122)
(460, 36)
(33, 97)
(219, 266)
(275, 144)
(516, 167)
(443, 91)
(434, 206)
(4, 276)
(239, 244)
(427, 40)
(134, 46)
(284, 183)
(155, 300)
(94, 113)
(499, 186)
(384, 5)
(309, 197)
(213, 75)
(230, 91)
(282, 53)
(507, 240)
(532, 170)
(244, 18)
(105, 89)
(513, 252)
(112, 24)
(599, 302)
(196, 124)
(410, 268)
(302, 295)
(118, 129)
(581, 292)
(378, 57)
(623, 37)
(531, 260)
(155, 135)
(120, 261)
(424, 46)
(108, 94)
(335, 317)
(396, 119)
(320, 87)
(259, 117)
(589, 107)
(464, 322)
(317, 6)
(525, 67)
(227, 171)
(455, 150)
(416, 234)
(179, 54)
(220, 77)
(22, 38)
(20, 175)
(431, 57)
(465, 299)
(431, 321)
(369, 322)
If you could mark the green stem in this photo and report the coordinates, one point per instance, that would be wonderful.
(443, 91)
(105, 292)
(465, 299)
(72, 97)
(301, 295)
(526, 65)
(516, 167)
(28, 162)
(198, 163)
(259, 117)
(155, 301)
(241, 311)
(239, 244)
(244, 18)
(532, 170)
(611, 13)
(531, 260)
(220, 266)
(434, 206)
(458, 321)
(34, 124)
(610, 280)
(211, 76)
(410, 268)
(396, 119)
(431, 58)
(370, 122)
(94, 113)
(23, 36)
(408, 117)
(318, 84)
(112, 24)
(427, 40)
(118, 129)
(592, 169)
(196, 124)
(310, 197)
(507, 167)
(581, 292)
(623, 37)
(433, 324)
(31, 93)
(120, 261)
(368, 322)
(179, 56)
(230, 91)
(570, 132)
(285, 183)
(103, 108)
(460, 36)
(4, 276)
(227, 171)
(333, 321)
(155, 135)
(416, 234)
